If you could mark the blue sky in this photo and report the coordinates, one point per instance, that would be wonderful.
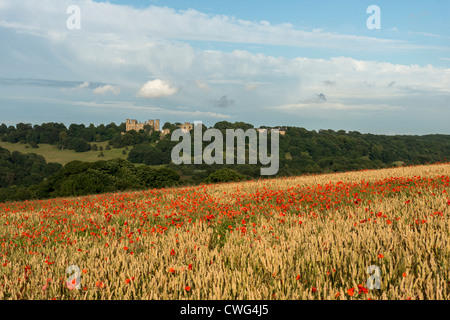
(311, 64)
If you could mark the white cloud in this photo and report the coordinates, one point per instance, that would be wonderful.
(124, 45)
(156, 89)
(250, 86)
(198, 114)
(202, 85)
(120, 105)
(107, 88)
(124, 22)
(183, 112)
(427, 34)
(295, 107)
(84, 85)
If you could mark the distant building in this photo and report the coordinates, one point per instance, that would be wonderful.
(282, 131)
(186, 127)
(261, 130)
(135, 125)
(165, 131)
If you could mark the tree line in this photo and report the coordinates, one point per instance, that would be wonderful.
(301, 151)
(78, 137)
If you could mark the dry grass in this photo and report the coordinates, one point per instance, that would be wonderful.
(310, 237)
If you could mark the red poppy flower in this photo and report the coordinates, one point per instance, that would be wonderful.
(362, 289)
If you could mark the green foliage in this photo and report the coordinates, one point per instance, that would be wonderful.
(23, 170)
(301, 151)
(87, 182)
(224, 175)
(76, 137)
(149, 155)
(153, 178)
(223, 125)
(78, 178)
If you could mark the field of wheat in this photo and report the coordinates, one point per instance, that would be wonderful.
(309, 237)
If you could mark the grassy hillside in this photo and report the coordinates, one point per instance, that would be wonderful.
(52, 154)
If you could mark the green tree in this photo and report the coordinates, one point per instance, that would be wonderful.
(224, 175)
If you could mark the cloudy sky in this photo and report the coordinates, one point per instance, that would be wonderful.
(312, 64)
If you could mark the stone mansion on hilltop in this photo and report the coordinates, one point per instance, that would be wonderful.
(135, 125)
(186, 127)
(154, 125)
